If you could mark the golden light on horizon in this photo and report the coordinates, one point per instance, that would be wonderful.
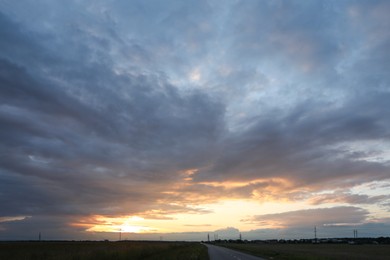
(129, 224)
(216, 216)
(195, 212)
(198, 213)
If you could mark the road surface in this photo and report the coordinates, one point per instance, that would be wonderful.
(222, 253)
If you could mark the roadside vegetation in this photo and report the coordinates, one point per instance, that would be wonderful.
(64, 250)
(278, 251)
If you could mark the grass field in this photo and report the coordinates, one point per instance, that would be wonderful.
(316, 251)
(103, 250)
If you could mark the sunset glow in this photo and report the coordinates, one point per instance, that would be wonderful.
(121, 224)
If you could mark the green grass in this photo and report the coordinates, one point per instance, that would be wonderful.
(314, 252)
(148, 250)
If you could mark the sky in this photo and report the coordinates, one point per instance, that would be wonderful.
(171, 120)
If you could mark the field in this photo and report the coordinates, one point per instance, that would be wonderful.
(103, 250)
(160, 250)
(314, 251)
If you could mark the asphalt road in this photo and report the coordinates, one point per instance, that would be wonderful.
(222, 253)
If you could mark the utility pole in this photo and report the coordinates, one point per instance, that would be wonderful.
(208, 237)
(120, 234)
(355, 233)
(240, 237)
(315, 234)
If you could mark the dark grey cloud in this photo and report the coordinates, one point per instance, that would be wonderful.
(95, 135)
(302, 145)
(313, 217)
(50, 228)
(343, 197)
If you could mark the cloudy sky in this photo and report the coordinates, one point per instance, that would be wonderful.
(176, 119)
